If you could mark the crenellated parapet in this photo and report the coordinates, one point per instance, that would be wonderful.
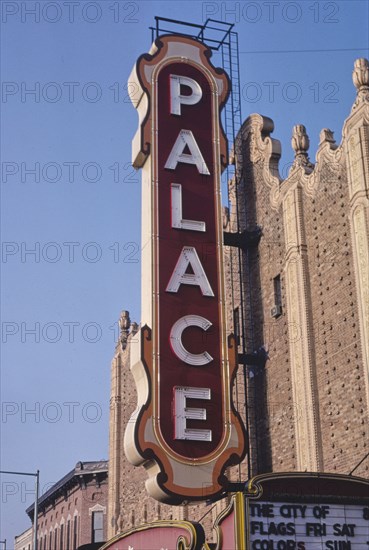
(259, 146)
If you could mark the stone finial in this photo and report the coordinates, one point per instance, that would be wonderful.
(360, 75)
(326, 135)
(300, 144)
(124, 325)
(300, 140)
(124, 320)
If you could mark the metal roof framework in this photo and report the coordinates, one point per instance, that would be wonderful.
(220, 37)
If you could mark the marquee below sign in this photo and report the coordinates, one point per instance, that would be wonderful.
(283, 511)
(185, 429)
(307, 511)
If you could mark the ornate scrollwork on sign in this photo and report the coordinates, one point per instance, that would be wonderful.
(185, 429)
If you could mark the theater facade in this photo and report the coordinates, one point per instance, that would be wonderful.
(240, 402)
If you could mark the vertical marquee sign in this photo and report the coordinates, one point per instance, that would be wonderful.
(185, 429)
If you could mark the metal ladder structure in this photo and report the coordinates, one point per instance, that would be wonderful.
(219, 37)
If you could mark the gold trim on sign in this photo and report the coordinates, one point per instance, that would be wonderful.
(255, 489)
(239, 521)
(237, 506)
(217, 527)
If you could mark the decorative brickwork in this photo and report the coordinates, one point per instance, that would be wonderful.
(312, 401)
(303, 295)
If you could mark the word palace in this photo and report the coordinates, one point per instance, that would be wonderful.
(185, 429)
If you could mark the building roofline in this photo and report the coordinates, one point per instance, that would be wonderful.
(24, 532)
(71, 478)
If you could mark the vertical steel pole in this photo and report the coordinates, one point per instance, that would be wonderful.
(35, 517)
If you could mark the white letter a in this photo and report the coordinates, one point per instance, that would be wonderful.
(185, 138)
(198, 277)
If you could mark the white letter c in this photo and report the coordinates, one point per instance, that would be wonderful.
(196, 359)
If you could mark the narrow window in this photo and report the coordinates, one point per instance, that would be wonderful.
(61, 538)
(97, 527)
(277, 308)
(236, 325)
(277, 291)
(75, 526)
(68, 534)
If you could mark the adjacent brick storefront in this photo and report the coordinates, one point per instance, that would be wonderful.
(74, 511)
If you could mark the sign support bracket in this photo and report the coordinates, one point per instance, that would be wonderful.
(244, 240)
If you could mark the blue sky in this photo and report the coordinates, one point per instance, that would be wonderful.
(80, 208)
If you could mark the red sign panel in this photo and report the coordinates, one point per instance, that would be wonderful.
(196, 249)
(185, 429)
(160, 535)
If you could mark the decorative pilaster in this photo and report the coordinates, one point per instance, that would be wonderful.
(302, 356)
(115, 427)
(356, 133)
(116, 424)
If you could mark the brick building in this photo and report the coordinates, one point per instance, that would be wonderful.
(73, 512)
(300, 308)
(24, 541)
(305, 293)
